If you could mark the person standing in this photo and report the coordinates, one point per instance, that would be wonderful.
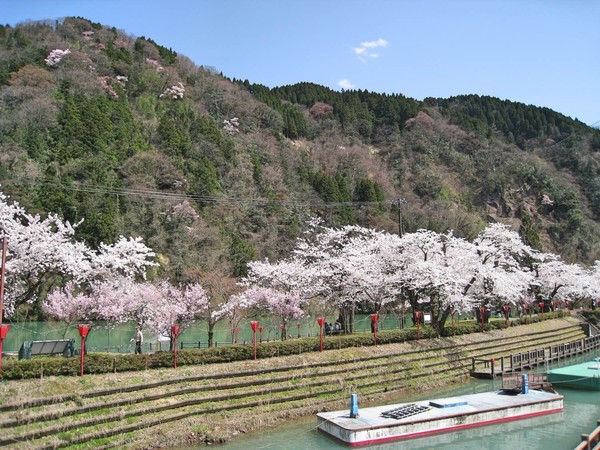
(139, 340)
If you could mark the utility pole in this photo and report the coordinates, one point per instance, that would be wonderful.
(2, 275)
(399, 202)
(4, 327)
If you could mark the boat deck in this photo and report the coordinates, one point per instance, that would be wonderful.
(412, 420)
(580, 376)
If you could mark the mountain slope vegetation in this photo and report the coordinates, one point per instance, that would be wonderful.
(213, 172)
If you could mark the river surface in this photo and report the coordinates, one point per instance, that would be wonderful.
(552, 432)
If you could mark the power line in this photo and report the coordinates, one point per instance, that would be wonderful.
(161, 195)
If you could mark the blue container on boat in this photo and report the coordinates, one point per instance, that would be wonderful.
(525, 380)
(353, 405)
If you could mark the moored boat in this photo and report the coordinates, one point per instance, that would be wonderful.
(579, 376)
(381, 424)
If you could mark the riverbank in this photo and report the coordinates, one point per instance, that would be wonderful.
(215, 402)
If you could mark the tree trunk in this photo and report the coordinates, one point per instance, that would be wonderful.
(441, 323)
(210, 335)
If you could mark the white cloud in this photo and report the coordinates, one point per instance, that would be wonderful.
(365, 51)
(378, 43)
(345, 84)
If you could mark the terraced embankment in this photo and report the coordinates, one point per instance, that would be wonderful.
(171, 407)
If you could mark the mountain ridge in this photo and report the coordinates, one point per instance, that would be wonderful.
(215, 172)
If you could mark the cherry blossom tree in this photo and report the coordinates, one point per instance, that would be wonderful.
(331, 253)
(234, 310)
(154, 306)
(285, 305)
(438, 273)
(160, 306)
(56, 56)
(67, 305)
(571, 280)
(42, 252)
(218, 289)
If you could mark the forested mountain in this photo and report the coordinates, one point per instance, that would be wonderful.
(213, 172)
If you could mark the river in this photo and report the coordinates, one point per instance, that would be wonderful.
(552, 432)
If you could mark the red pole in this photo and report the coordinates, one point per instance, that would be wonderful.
(81, 357)
(254, 325)
(2, 274)
(374, 318)
(283, 332)
(542, 304)
(84, 329)
(320, 321)
(298, 325)
(3, 328)
(175, 331)
(418, 315)
(261, 328)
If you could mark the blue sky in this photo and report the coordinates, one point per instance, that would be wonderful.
(540, 52)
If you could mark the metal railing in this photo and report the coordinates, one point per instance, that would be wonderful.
(532, 358)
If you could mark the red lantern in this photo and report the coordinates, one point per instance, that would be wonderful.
(374, 319)
(175, 328)
(254, 326)
(506, 310)
(84, 330)
(418, 318)
(3, 332)
(320, 321)
(260, 329)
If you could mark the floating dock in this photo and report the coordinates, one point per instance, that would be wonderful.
(380, 424)
(579, 376)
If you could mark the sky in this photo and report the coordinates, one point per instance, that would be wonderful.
(539, 52)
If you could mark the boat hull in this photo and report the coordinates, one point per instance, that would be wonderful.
(578, 376)
(464, 412)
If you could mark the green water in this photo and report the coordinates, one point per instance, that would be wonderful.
(552, 432)
(117, 338)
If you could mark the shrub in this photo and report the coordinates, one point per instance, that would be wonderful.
(97, 363)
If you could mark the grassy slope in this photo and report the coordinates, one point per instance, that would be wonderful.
(416, 365)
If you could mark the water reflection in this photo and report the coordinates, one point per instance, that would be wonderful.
(551, 432)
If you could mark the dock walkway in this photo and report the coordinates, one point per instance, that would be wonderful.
(496, 367)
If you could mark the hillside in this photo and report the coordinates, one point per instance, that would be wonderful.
(214, 172)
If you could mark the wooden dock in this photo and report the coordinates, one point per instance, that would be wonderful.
(590, 441)
(496, 367)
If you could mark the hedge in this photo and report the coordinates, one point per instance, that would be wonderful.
(98, 363)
